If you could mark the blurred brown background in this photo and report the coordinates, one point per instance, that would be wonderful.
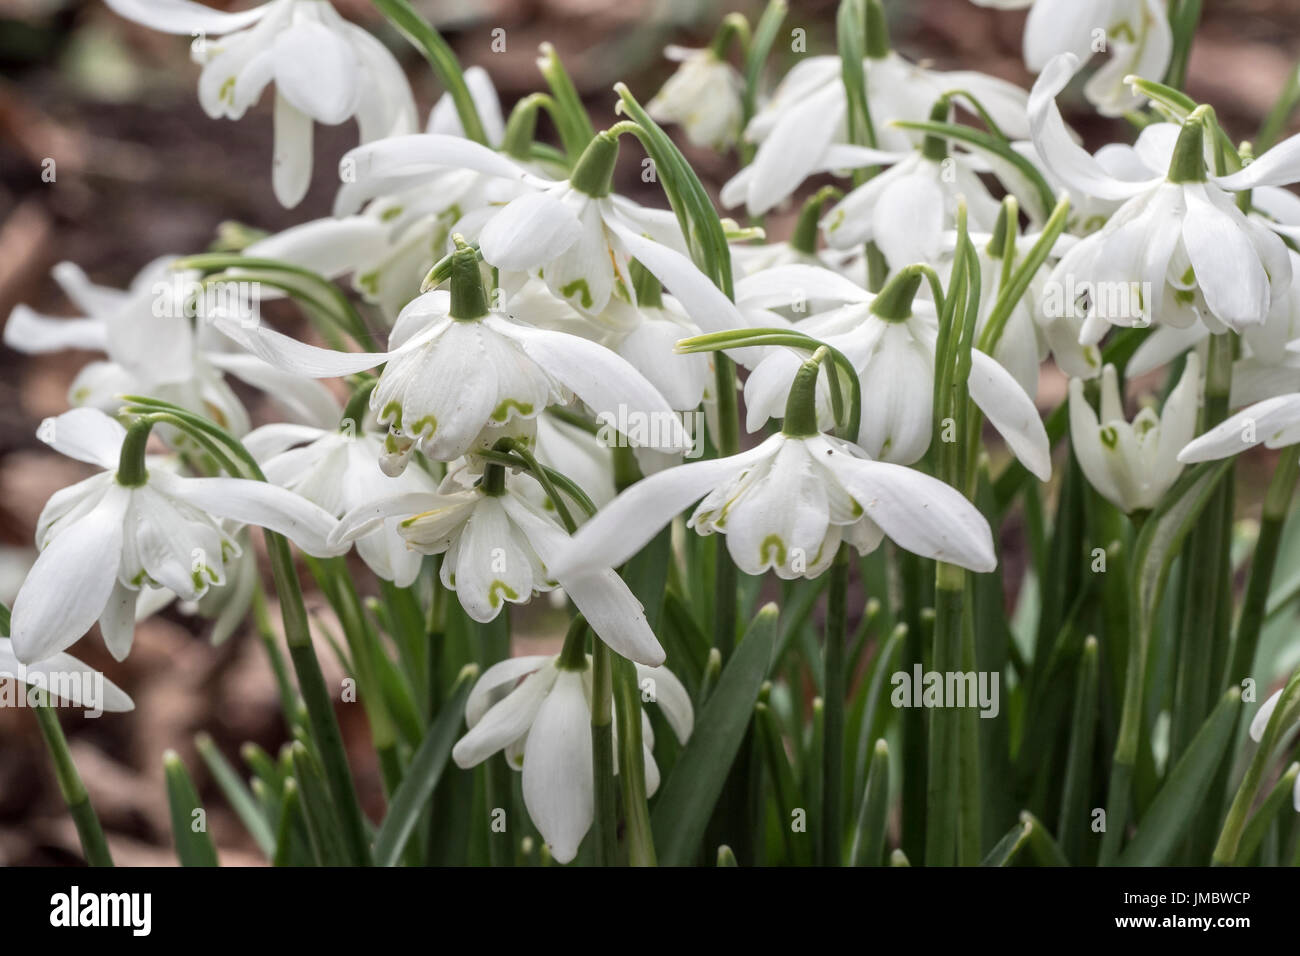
(142, 172)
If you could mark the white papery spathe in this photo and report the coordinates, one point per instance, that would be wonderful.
(786, 506)
(1132, 465)
(325, 69)
(540, 715)
(802, 131)
(101, 542)
(338, 469)
(159, 343)
(499, 549)
(704, 96)
(1173, 253)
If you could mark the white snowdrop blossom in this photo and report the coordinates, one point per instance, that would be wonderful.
(785, 506)
(101, 541)
(704, 96)
(1178, 249)
(159, 343)
(325, 70)
(338, 469)
(1132, 465)
(498, 547)
(802, 129)
(65, 679)
(539, 712)
(1273, 423)
(1135, 33)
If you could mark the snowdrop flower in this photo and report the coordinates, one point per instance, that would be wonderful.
(133, 524)
(338, 469)
(906, 209)
(538, 709)
(1132, 465)
(154, 347)
(802, 129)
(787, 504)
(498, 547)
(1135, 32)
(388, 242)
(704, 96)
(891, 341)
(66, 679)
(454, 369)
(570, 231)
(325, 69)
(1178, 249)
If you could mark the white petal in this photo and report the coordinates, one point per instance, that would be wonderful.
(558, 788)
(784, 285)
(290, 355)
(1011, 412)
(1279, 166)
(81, 686)
(610, 607)
(420, 152)
(258, 503)
(600, 377)
(1086, 439)
(672, 698)
(86, 434)
(620, 530)
(506, 721)
(919, 513)
(1228, 271)
(1066, 160)
(529, 232)
(69, 585)
(117, 623)
(1262, 716)
(1249, 427)
(501, 676)
(329, 247)
(181, 16)
(29, 331)
(316, 71)
(292, 156)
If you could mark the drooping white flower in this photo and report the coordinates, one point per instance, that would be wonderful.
(802, 129)
(389, 241)
(1178, 249)
(498, 548)
(893, 351)
(158, 343)
(570, 231)
(102, 541)
(540, 714)
(65, 679)
(338, 469)
(704, 96)
(325, 69)
(786, 506)
(1132, 465)
(906, 209)
(1135, 33)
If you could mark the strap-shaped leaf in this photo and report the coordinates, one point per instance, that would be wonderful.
(686, 801)
(1185, 790)
(422, 775)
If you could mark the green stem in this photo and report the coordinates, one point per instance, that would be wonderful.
(440, 56)
(602, 753)
(943, 779)
(93, 842)
(631, 764)
(834, 683)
